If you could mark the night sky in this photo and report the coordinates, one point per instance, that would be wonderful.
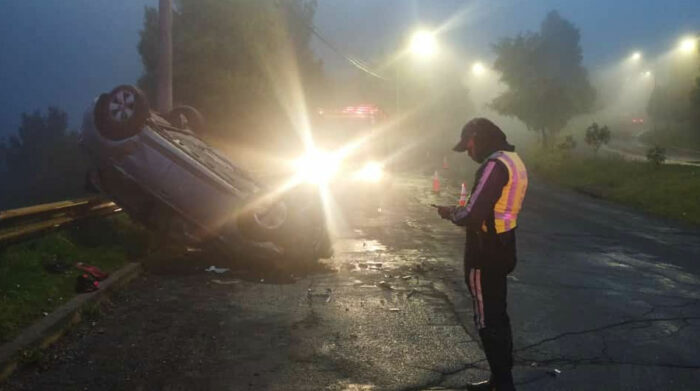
(65, 52)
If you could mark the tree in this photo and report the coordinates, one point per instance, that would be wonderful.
(243, 63)
(3, 157)
(670, 104)
(547, 85)
(597, 136)
(42, 162)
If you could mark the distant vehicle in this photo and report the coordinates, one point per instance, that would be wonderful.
(162, 174)
(349, 145)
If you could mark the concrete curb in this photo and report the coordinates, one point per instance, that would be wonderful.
(49, 329)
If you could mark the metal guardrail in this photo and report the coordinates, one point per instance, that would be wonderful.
(25, 223)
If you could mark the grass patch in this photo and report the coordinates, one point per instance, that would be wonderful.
(670, 191)
(28, 290)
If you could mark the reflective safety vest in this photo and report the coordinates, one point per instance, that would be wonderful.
(511, 201)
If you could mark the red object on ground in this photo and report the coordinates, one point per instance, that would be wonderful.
(94, 271)
(436, 183)
(86, 283)
(463, 196)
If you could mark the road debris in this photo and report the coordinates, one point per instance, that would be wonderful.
(394, 309)
(411, 293)
(94, 271)
(85, 283)
(384, 285)
(554, 372)
(406, 277)
(370, 265)
(325, 295)
(217, 270)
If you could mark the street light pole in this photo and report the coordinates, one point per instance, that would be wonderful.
(164, 94)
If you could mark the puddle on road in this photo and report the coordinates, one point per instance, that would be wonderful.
(358, 245)
(347, 386)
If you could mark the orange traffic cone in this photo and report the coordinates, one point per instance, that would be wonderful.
(445, 166)
(463, 196)
(436, 183)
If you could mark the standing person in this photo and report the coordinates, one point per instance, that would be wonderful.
(490, 217)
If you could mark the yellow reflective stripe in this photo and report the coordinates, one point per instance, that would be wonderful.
(509, 204)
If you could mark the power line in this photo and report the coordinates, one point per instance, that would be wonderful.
(359, 64)
(356, 62)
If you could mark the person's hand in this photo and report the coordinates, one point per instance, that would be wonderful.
(444, 211)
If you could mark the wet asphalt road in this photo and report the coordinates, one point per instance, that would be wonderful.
(605, 295)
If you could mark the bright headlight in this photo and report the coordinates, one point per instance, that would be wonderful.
(371, 172)
(317, 167)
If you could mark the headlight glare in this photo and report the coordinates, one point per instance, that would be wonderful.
(371, 172)
(317, 167)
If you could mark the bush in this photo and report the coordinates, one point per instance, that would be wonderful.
(656, 155)
(597, 136)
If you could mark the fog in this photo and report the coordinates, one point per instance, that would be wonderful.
(261, 84)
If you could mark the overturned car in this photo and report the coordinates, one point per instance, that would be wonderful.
(163, 175)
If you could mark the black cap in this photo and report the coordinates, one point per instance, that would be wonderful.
(470, 129)
(487, 138)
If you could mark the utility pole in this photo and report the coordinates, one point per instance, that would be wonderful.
(164, 95)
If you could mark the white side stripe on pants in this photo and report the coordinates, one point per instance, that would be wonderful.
(477, 297)
(480, 299)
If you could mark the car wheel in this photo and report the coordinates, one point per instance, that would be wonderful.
(122, 113)
(186, 117)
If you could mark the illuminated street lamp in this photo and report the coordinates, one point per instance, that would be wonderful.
(688, 45)
(647, 74)
(636, 56)
(478, 69)
(423, 44)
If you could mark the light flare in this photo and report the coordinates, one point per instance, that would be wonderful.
(371, 172)
(318, 167)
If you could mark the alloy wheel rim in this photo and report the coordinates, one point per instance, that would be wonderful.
(122, 105)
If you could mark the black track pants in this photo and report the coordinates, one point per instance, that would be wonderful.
(489, 292)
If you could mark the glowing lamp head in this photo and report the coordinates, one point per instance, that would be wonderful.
(478, 69)
(636, 56)
(317, 167)
(688, 45)
(423, 44)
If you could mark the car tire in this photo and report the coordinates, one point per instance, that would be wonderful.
(186, 117)
(122, 113)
